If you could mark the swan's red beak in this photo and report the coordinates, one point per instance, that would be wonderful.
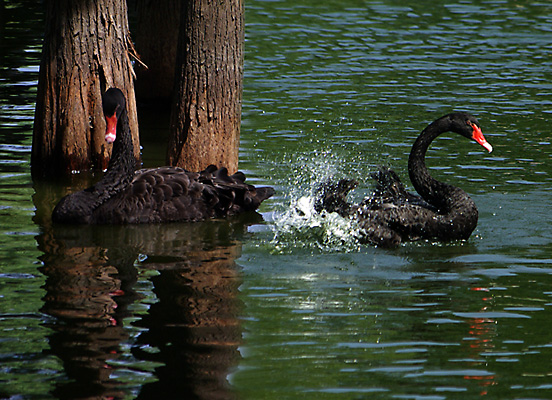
(111, 131)
(477, 135)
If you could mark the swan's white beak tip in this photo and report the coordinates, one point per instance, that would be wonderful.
(109, 137)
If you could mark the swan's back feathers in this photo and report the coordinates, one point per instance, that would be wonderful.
(388, 184)
(332, 196)
(235, 196)
(171, 194)
(390, 190)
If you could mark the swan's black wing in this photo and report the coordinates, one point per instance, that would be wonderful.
(391, 191)
(234, 195)
(332, 197)
(170, 194)
(389, 224)
(392, 214)
(388, 217)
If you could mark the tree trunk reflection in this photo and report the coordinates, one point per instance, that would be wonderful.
(184, 333)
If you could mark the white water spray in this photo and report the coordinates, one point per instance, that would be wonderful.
(298, 225)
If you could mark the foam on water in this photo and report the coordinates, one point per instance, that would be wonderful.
(297, 224)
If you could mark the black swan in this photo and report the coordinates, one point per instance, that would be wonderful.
(392, 215)
(165, 194)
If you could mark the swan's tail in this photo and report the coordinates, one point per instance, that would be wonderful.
(331, 197)
(232, 194)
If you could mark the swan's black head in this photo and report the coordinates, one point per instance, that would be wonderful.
(468, 126)
(113, 104)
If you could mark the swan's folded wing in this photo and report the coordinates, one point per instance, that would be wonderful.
(174, 194)
(331, 196)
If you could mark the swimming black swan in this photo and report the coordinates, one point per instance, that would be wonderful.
(154, 195)
(392, 215)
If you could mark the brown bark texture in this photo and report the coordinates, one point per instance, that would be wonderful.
(205, 120)
(85, 52)
(156, 38)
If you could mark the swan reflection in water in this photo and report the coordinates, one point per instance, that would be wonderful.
(186, 339)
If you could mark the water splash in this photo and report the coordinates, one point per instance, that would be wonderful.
(297, 224)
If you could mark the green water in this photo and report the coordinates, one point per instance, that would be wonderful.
(290, 306)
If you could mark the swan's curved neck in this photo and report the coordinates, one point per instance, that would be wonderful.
(433, 191)
(121, 167)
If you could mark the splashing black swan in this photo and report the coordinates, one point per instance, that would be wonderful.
(392, 215)
(166, 194)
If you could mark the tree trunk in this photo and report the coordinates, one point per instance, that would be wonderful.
(205, 120)
(85, 52)
(156, 36)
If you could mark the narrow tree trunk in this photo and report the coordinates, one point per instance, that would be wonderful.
(156, 36)
(84, 53)
(205, 121)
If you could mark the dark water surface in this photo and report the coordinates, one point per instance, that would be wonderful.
(293, 307)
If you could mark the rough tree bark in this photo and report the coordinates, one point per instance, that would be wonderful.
(156, 38)
(205, 120)
(85, 52)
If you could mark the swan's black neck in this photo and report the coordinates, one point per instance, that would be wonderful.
(439, 194)
(121, 167)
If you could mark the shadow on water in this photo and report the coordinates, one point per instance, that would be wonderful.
(112, 335)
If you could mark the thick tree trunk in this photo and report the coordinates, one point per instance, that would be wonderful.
(156, 36)
(84, 53)
(205, 121)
